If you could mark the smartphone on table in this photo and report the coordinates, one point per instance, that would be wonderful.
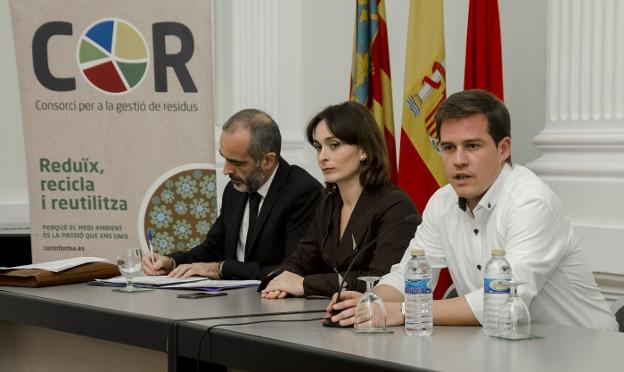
(195, 295)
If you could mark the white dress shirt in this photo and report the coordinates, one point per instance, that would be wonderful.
(521, 214)
(244, 227)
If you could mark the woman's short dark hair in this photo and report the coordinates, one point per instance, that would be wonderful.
(476, 101)
(353, 123)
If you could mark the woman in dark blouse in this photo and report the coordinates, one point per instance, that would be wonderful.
(358, 203)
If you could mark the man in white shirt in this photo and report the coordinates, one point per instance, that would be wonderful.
(490, 203)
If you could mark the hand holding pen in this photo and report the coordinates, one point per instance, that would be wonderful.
(157, 264)
(151, 247)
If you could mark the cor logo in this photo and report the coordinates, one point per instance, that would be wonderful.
(113, 56)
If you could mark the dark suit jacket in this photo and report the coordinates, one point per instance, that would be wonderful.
(321, 250)
(284, 217)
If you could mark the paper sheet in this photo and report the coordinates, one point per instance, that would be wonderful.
(58, 265)
(156, 281)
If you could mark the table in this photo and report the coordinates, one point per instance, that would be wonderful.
(143, 320)
(309, 346)
(80, 327)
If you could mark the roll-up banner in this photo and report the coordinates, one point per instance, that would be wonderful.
(117, 112)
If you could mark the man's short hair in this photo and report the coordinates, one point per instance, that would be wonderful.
(472, 102)
(263, 130)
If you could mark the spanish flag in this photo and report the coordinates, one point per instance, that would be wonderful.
(421, 172)
(420, 166)
(370, 71)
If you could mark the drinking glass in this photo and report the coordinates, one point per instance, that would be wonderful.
(370, 313)
(514, 321)
(129, 264)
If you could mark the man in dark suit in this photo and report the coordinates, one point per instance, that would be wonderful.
(283, 198)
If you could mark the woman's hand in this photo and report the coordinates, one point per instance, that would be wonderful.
(282, 285)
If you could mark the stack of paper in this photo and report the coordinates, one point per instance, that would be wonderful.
(194, 283)
(67, 271)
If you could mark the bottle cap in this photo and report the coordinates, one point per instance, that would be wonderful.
(498, 252)
(417, 251)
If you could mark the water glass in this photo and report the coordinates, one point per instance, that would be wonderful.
(370, 312)
(129, 264)
(514, 321)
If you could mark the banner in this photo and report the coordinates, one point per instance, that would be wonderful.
(117, 112)
(370, 71)
(484, 64)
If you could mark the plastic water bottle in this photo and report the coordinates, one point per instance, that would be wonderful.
(495, 289)
(418, 299)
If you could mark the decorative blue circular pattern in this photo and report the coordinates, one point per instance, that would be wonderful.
(182, 210)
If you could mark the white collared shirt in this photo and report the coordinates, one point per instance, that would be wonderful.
(244, 227)
(521, 214)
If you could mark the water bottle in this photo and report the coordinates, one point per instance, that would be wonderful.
(496, 280)
(418, 298)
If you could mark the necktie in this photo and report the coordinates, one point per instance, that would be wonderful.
(254, 202)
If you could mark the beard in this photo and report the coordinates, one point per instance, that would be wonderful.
(252, 182)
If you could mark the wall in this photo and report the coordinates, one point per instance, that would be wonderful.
(314, 44)
(293, 57)
(13, 189)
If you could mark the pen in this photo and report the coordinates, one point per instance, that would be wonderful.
(151, 246)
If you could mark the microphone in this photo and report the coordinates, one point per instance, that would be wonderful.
(412, 219)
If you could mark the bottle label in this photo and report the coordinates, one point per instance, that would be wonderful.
(418, 286)
(496, 285)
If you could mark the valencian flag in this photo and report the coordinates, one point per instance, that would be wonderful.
(370, 71)
(484, 66)
(420, 166)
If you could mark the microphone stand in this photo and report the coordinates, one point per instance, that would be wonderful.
(412, 218)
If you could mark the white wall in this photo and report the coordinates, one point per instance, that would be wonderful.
(314, 47)
(13, 189)
(319, 46)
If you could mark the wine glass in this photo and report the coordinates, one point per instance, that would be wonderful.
(514, 321)
(370, 312)
(129, 264)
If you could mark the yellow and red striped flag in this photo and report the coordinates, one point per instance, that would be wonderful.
(421, 172)
(370, 71)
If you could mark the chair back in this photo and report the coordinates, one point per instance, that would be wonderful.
(618, 309)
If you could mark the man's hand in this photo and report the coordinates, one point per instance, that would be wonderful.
(282, 285)
(344, 309)
(207, 269)
(161, 264)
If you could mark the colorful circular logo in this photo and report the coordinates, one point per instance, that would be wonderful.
(113, 56)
